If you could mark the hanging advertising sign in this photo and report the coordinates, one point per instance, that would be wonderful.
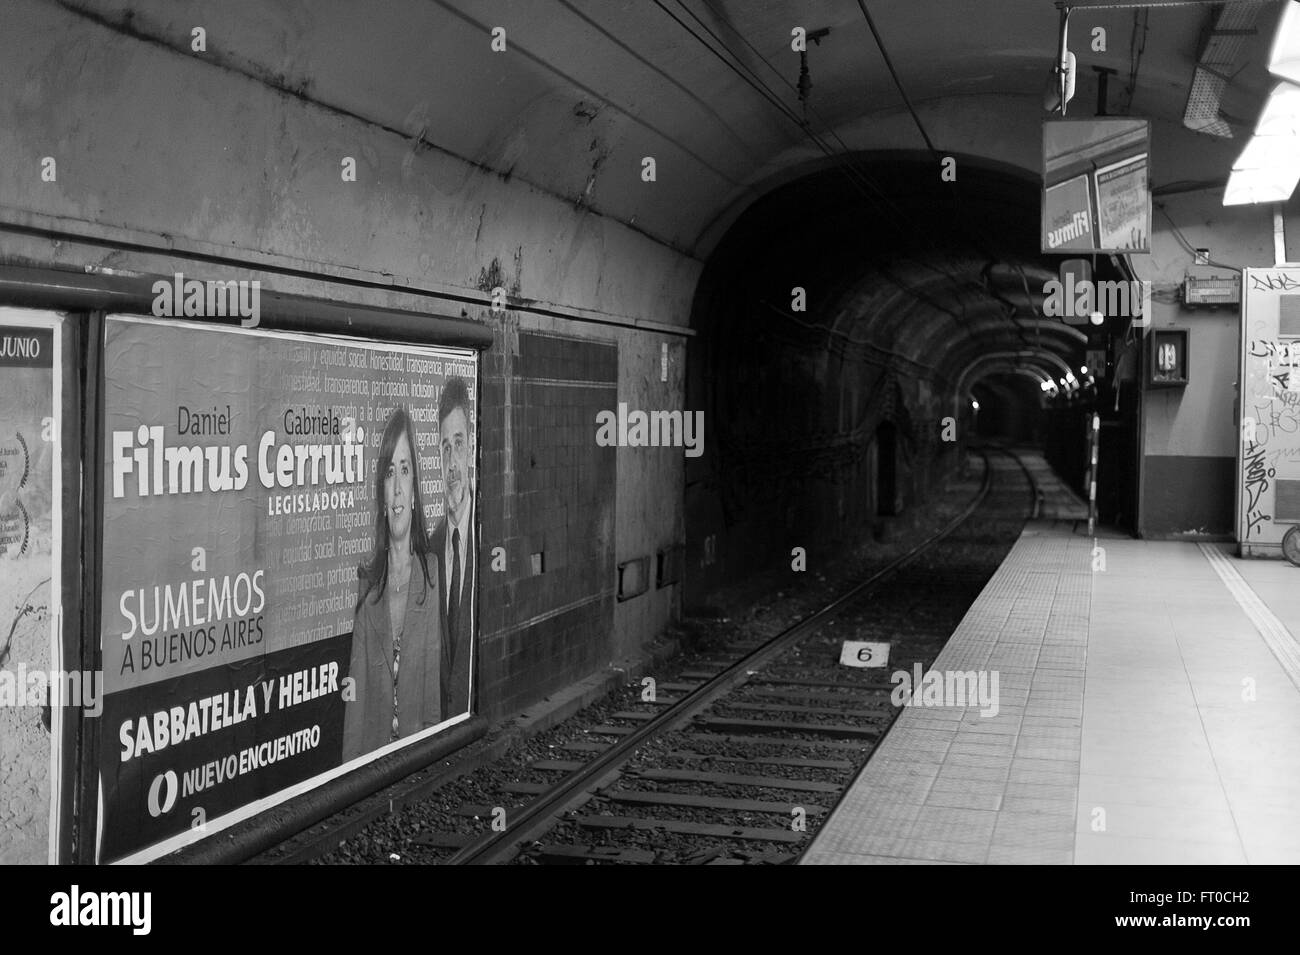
(288, 567)
(1096, 194)
(1268, 446)
(33, 690)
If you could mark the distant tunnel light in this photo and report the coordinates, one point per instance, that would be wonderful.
(1284, 57)
(1083, 369)
(975, 404)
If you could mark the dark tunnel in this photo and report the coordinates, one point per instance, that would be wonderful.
(846, 322)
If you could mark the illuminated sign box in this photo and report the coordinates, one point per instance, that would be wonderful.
(1096, 186)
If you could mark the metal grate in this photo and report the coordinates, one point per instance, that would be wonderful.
(1220, 48)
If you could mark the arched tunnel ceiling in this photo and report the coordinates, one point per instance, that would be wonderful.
(892, 258)
(929, 273)
(590, 87)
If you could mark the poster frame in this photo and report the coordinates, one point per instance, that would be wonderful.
(91, 789)
(65, 529)
(84, 297)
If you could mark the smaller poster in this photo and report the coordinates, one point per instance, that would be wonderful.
(30, 535)
(1122, 199)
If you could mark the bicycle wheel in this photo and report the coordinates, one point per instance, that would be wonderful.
(1291, 545)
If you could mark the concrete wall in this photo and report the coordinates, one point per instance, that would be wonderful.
(229, 166)
(650, 517)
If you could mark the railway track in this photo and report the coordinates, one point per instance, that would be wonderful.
(737, 760)
(734, 757)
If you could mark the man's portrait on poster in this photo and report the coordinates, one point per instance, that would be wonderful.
(454, 545)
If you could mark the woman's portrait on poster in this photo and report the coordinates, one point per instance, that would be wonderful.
(397, 627)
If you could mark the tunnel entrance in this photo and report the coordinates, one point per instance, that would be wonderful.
(837, 361)
(885, 479)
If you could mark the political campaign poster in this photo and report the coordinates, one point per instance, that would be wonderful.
(288, 567)
(1123, 198)
(31, 700)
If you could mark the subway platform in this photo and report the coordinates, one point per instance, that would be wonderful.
(1148, 713)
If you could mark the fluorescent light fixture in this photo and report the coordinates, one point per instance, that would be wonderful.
(1269, 152)
(1281, 116)
(1269, 167)
(1247, 186)
(1284, 57)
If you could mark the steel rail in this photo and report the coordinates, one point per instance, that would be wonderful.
(542, 813)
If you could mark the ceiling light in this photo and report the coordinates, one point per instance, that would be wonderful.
(1269, 167)
(1281, 116)
(1269, 152)
(1261, 185)
(1284, 57)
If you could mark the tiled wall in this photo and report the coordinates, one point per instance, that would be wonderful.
(548, 489)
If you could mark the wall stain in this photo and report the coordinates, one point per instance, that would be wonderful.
(494, 276)
(584, 110)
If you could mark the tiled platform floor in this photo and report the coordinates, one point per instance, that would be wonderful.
(1149, 712)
